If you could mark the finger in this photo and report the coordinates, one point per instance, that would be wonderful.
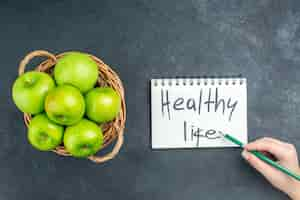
(274, 140)
(270, 145)
(263, 168)
(269, 139)
(279, 142)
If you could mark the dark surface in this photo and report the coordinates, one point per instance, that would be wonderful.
(145, 39)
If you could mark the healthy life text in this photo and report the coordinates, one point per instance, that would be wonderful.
(206, 102)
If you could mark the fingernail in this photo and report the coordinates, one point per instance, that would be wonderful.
(245, 155)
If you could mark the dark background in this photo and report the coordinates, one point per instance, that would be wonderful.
(144, 39)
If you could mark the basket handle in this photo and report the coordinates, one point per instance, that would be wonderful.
(31, 55)
(113, 153)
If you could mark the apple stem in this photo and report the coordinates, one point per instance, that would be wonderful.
(28, 82)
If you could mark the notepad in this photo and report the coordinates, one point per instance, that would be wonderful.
(191, 113)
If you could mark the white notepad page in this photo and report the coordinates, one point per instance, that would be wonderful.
(190, 113)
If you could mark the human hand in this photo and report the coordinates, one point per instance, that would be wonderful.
(285, 154)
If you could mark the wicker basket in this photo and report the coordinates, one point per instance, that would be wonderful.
(107, 77)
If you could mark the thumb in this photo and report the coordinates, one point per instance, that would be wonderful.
(266, 170)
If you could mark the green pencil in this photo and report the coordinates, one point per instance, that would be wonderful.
(264, 158)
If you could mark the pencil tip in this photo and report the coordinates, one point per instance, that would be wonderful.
(221, 133)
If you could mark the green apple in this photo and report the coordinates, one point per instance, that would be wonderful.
(29, 91)
(83, 139)
(102, 104)
(65, 105)
(44, 134)
(77, 69)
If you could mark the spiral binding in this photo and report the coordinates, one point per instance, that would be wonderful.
(184, 81)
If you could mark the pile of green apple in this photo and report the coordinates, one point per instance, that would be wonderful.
(67, 109)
